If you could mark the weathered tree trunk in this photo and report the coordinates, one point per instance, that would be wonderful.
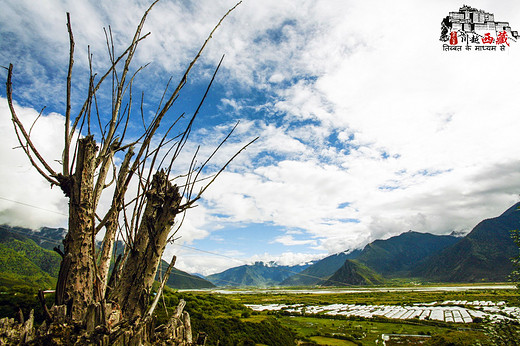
(76, 278)
(113, 222)
(132, 293)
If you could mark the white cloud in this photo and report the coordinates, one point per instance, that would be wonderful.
(27, 198)
(288, 240)
(204, 264)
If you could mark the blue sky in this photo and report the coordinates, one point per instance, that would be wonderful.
(367, 128)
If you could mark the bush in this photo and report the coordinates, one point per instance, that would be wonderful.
(232, 331)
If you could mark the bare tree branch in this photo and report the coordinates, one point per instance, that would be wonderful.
(28, 146)
(163, 282)
(35, 120)
(99, 83)
(121, 84)
(153, 127)
(188, 204)
(68, 106)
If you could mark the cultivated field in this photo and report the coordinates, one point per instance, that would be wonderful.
(463, 314)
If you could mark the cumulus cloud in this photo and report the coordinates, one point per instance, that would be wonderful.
(288, 240)
(203, 264)
(26, 197)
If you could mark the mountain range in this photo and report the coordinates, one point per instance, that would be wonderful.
(378, 262)
(482, 255)
(259, 274)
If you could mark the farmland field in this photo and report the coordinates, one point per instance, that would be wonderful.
(307, 313)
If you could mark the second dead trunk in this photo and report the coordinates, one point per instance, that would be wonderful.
(138, 272)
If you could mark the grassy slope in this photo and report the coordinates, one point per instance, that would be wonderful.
(483, 255)
(23, 262)
(397, 256)
(354, 273)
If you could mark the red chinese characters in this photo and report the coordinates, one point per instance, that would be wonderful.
(487, 38)
(502, 38)
(453, 38)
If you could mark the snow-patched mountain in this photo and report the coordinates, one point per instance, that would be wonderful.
(321, 270)
(259, 274)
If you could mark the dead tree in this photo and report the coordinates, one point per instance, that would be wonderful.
(85, 293)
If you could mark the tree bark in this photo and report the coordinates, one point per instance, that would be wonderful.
(138, 272)
(113, 222)
(76, 279)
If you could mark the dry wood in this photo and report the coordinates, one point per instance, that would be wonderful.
(28, 146)
(160, 290)
(66, 148)
(80, 276)
(163, 200)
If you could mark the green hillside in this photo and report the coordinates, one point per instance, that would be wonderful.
(23, 262)
(399, 255)
(483, 255)
(354, 273)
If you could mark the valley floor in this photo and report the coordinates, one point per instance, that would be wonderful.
(362, 289)
(460, 314)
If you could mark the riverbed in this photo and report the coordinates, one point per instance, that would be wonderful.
(418, 288)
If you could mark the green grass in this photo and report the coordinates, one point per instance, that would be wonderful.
(323, 340)
(366, 332)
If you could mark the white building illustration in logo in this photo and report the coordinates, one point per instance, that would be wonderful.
(469, 20)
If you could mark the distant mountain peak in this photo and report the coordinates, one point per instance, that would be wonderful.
(354, 273)
(460, 233)
(259, 274)
(269, 264)
(347, 252)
